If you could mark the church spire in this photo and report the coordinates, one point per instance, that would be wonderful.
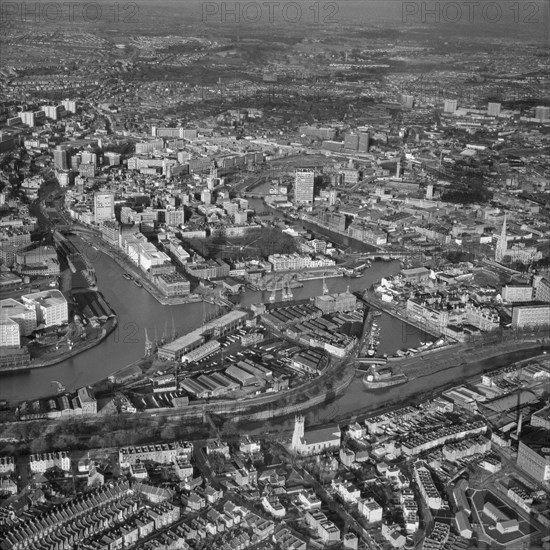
(502, 244)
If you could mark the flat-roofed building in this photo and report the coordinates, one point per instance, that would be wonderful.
(303, 186)
(542, 289)
(176, 349)
(534, 453)
(104, 207)
(217, 327)
(201, 352)
(50, 305)
(427, 487)
(173, 284)
(371, 510)
(517, 293)
(16, 319)
(531, 316)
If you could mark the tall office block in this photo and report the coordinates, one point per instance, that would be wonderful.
(407, 101)
(61, 159)
(450, 105)
(493, 109)
(351, 142)
(430, 191)
(104, 207)
(364, 142)
(303, 186)
(28, 118)
(70, 106)
(542, 113)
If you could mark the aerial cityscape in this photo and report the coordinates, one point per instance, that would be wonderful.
(274, 275)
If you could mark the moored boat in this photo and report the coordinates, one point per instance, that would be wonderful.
(127, 276)
(137, 283)
(382, 378)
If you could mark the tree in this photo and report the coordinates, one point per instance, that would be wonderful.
(38, 445)
(168, 433)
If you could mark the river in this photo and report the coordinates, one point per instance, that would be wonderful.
(137, 311)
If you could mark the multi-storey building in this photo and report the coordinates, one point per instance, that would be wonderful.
(460, 449)
(427, 487)
(16, 319)
(42, 261)
(303, 186)
(110, 231)
(39, 463)
(7, 465)
(149, 146)
(542, 289)
(416, 444)
(531, 316)
(437, 319)
(371, 510)
(286, 262)
(211, 269)
(534, 454)
(332, 303)
(173, 284)
(450, 106)
(50, 306)
(493, 109)
(163, 453)
(104, 207)
(175, 218)
(517, 293)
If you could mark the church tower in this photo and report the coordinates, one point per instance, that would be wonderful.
(502, 244)
(298, 433)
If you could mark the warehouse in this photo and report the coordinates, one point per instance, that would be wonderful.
(244, 378)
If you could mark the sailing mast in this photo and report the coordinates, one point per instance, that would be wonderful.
(289, 294)
(148, 345)
(174, 334)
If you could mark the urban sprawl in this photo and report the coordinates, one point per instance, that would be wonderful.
(267, 193)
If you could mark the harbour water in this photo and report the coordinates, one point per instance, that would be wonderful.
(137, 311)
(357, 397)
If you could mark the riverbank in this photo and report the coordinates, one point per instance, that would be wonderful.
(136, 429)
(393, 397)
(109, 326)
(398, 314)
(341, 239)
(137, 274)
